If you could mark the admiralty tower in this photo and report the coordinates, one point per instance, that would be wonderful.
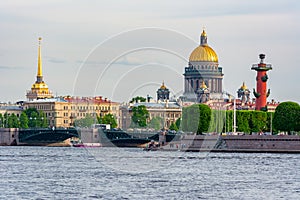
(39, 89)
(204, 67)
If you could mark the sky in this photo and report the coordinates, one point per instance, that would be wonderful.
(120, 49)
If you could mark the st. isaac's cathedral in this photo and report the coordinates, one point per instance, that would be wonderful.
(203, 76)
(203, 82)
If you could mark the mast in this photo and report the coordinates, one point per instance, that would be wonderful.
(234, 116)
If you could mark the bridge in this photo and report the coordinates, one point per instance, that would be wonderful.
(46, 135)
(122, 138)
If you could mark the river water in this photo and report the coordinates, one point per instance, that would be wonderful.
(121, 173)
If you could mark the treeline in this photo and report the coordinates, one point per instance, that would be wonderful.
(88, 120)
(199, 118)
(246, 121)
(29, 118)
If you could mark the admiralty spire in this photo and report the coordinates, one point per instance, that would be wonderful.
(39, 89)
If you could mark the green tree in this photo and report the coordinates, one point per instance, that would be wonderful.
(137, 99)
(43, 120)
(23, 120)
(87, 121)
(156, 123)
(242, 121)
(217, 121)
(173, 127)
(228, 126)
(33, 120)
(140, 115)
(287, 117)
(196, 118)
(36, 119)
(109, 119)
(13, 121)
(178, 123)
(1, 121)
(5, 120)
(204, 118)
(258, 121)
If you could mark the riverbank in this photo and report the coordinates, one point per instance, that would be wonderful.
(236, 143)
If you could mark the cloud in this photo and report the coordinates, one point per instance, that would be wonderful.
(125, 60)
(11, 67)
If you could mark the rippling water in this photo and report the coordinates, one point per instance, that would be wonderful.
(119, 173)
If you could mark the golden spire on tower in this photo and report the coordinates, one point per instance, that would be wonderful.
(39, 89)
(39, 72)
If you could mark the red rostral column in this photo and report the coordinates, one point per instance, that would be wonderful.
(261, 92)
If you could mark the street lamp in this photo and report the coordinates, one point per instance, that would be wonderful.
(42, 122)
(30, 118)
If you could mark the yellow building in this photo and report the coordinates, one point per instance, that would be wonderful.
(61, 112)
(39, 89)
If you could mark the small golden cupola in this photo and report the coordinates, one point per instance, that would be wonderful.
(163, 87)
(163, 93)
(39, 89)
(203, 85)
(244, 94)
(244, 87)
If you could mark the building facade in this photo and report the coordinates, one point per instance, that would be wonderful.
(168, 110)
(63, 111)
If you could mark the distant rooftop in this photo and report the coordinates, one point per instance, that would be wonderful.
(157, 104)
(47, 100)
(11, 107)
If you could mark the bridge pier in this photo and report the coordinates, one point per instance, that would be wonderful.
(9, 136)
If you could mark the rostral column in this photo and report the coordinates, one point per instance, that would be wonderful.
(261, 92)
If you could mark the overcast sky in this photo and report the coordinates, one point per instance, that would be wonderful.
(120, 49)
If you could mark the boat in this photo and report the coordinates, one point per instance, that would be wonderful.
(151, 146)
(79, 143)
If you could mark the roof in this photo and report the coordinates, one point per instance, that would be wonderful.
(48, 100)
(11, 107)
(157, 105)
(92, 100)
(203, 53)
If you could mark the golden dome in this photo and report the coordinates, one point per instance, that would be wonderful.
(203, 85)
(163, 87)
(203, 52)
(244, 87)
